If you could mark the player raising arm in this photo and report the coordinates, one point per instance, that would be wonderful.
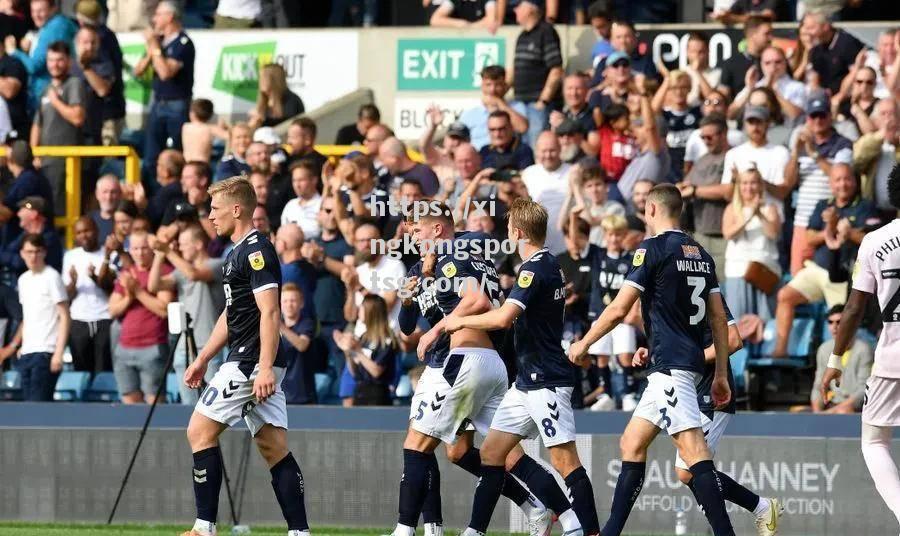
(877, 272)
(675, 280)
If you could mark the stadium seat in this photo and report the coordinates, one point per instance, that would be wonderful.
(739, 368)
(323, 387)
(799, 342)
(71, 385)
(102, 389)
(11, 386)
(173, 394)
(404, 388)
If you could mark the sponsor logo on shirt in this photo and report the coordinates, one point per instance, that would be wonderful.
(639, 257)
(525, 278)
(691, 252)
(257, 262)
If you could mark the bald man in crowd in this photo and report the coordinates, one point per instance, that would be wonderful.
(393, 155)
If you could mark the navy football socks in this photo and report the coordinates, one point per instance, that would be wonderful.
(628, 487)
(490, 486)
(734, 492)
(431, 508)
(541, 483)
(708, 490)
(207, 474)
(287, 481)
(471, 462)
(583, 500)
(413, 486)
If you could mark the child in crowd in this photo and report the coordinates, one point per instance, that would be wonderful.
(671, 100)
(198, 134)
(371, 358)
(590, 181)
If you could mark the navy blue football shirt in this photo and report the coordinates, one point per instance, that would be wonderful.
(540, 292)
(675, 276)
(607, 277)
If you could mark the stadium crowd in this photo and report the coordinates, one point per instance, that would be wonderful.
(783, 159)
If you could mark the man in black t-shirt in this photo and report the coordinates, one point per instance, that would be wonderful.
(835, 52)
(355, 133)
(170, 53)
(538, 63)
(464, 14)
(758, 32)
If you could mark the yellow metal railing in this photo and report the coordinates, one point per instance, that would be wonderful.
(74, 154)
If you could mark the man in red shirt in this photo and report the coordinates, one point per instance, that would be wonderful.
(139, 358)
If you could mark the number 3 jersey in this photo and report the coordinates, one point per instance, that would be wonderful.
(877, 271)
(540, 292)
(675, 276)
(251, 267)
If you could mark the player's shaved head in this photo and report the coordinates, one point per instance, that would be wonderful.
(435, 212)
(667, 198)
(531, 218)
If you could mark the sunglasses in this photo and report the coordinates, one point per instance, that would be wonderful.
(866, 82)
(712, 102)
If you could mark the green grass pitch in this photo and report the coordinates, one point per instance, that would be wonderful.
(74, 529)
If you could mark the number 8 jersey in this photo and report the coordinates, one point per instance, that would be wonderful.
(675, 276)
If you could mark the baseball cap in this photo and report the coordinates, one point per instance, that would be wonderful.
(756, 112)
(817, 103)
(615, 56)
(459, 130)
(569, 127)
(88, 11)
(33, 202)
(266, 135)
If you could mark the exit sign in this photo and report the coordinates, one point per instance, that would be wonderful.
(446, 64)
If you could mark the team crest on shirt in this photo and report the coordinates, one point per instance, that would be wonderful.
(691, 252)
(449, 269)
(639, 257)
(257, 262)
(525, 278)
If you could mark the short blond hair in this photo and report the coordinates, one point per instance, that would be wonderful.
(613, 223)
(238, 190)
(531, 218)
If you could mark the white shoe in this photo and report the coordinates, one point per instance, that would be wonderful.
(604, 403)
(629, 402)
(434, 529)
(767, 524)
(540, 521)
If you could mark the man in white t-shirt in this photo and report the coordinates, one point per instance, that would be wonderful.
(304, 209)
(771, 160)
(376, 274)
(233, 14)
(45, 321)
(876, 274)
(547, 182)
(88, 282)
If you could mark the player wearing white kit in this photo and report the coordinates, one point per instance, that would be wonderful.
(877, 272)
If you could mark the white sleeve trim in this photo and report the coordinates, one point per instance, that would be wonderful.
(516, 302)
(633, 284)
(715, 289)
(257, 290)
(732, 322)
